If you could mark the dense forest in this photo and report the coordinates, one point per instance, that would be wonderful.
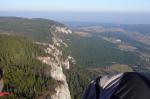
(96, 52)
(78, 79)
(23, 75)
(36, 28)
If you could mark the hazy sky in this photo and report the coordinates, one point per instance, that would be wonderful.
(76, 5)
(120, 11)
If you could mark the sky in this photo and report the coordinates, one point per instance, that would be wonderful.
(76, 5)
(130, 11)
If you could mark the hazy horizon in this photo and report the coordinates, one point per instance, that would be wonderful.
(98, 17)
(101, 11)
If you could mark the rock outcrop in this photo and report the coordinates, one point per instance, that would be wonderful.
(57, 62)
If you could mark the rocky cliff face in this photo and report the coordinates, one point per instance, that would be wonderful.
(57, 61)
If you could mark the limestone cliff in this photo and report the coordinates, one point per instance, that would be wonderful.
(57, 62)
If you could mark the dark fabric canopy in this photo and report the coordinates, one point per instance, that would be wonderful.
(130, 85)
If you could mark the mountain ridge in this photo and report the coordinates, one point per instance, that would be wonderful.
(72, 60)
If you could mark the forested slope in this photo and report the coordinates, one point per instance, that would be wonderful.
(23, 75)
(36, 28)
(96, 52)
